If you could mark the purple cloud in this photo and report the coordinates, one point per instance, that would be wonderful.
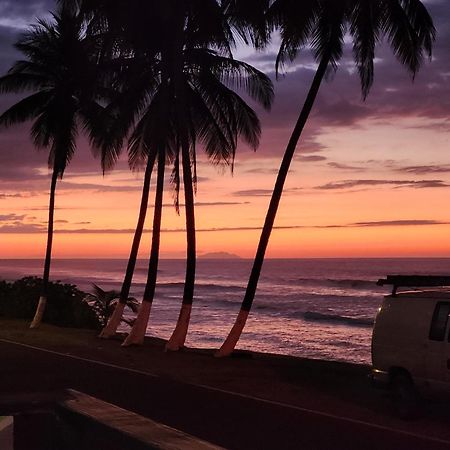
(310, 158)
(341, 166)
(349, 184)
(424, 170)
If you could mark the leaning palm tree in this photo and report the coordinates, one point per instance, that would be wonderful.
(111, 326)
(61, 74)
(137, 333)
(127, 107)
(323, 25)
(220, 116)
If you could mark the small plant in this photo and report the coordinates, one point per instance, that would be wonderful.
(103, 304)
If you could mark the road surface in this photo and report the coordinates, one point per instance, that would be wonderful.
(230, 420)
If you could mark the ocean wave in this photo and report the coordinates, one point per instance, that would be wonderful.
(355, 283)
(211, 287)
(352, 283)
(356, 321)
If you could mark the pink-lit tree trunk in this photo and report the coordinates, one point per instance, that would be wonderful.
(137, 333)
(233, 337)
(39, 314)
(116, 317)
(178, 337)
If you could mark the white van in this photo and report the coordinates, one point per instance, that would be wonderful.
(411, 338)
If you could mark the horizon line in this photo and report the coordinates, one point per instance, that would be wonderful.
(238, 258)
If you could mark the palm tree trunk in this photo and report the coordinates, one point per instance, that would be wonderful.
(178, 337)
(116, 317)
(48, 255)
(236, 331)
(137, 333)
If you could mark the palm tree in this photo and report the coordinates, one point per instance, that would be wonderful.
(323, 25)
(111, 326)
(60, 71)
(104, 302)
(137, 333)
(111, 23)
(231, 117)
(120, 26)
(210, 29)
(202, 109)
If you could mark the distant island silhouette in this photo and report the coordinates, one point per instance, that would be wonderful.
(219, 255)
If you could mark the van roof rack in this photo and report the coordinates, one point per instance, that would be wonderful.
(414, 281)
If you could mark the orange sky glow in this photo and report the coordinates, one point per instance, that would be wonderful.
(354, 221)
(370, 179)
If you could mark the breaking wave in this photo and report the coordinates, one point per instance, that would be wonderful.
(356, 321)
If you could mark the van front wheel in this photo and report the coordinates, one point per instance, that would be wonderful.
(406, 397)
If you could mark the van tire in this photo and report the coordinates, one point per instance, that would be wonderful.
(406, 398)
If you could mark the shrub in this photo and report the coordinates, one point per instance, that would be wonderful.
(104, 302)
(65, 306)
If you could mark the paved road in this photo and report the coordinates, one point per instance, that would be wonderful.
(232, 421)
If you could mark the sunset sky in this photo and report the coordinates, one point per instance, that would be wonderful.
(370, 178)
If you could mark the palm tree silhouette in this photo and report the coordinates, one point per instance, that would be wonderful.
(219, 117)
(126, 108)
(113, 24)
(60, 72)
(137, 333)
(323, 25)
(183, 57)
(194, 104)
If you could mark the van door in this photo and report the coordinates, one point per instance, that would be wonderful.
(438, 355)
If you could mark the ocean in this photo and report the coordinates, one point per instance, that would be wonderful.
(316, 308)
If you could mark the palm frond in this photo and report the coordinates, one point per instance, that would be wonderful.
(295, 21)
(26, 109)
(19, 82)
(365, 25)
(214, 121)
(327, 38)
(409, 30)
(208, 26)
(42, 130)
(422, 24)
(247, 18)
(236, 74)
(128, 103)
(401, 36)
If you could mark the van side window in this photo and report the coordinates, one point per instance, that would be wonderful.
(439, 321)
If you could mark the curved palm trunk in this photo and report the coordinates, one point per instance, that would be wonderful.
(178, 337)
(236, 331)
(137, 333)
(48, 255)
(116, 317)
